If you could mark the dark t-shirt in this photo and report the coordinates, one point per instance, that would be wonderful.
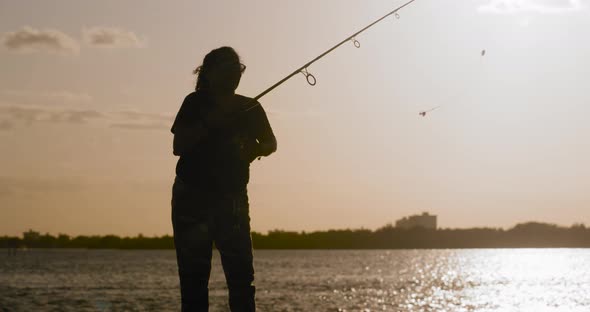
(215, 163)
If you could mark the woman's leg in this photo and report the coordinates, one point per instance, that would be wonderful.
(193, 244)
(232, 238)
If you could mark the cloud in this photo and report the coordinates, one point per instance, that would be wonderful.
(29, 39)
(141, 126)
(43, 97)
(6, 125)
(29, 115)
(76, 116)
(130, 120)
(531, 6)
(67, 96)
(110, 37)
(135, 120)
(136, 115)
(10, 186)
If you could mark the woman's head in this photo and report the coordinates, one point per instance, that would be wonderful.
(220, 72)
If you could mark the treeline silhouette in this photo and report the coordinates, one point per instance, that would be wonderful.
(526, 235)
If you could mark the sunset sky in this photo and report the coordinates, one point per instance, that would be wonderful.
(89, 89)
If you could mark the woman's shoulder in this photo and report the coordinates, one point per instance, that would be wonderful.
(247, 102)
(197, 99)
(193, 96)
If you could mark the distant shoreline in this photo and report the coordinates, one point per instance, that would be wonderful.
(526, 235)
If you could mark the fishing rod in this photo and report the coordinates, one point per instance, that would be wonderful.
(311, 80)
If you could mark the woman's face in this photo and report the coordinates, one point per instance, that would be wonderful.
(225, 76)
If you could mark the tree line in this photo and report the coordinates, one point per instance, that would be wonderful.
(525, 235)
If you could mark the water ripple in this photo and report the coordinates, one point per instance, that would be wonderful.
(544, 280)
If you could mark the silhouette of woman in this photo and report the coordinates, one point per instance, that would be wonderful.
(216, 139)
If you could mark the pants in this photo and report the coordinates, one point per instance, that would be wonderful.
(199, 219)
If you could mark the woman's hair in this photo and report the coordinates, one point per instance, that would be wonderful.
(215, 57)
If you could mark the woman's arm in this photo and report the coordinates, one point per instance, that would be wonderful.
(186, 137)
(188, 130)
(267, 146)
(267, 142)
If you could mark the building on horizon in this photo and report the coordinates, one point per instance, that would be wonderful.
(425, 220)
(31, 235)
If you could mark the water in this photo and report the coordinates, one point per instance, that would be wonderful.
(307, 280)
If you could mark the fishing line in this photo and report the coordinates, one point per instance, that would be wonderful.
(423, 113)
(311, 80)
(481, 69)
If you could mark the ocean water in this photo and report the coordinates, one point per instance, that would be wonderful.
(306, 280)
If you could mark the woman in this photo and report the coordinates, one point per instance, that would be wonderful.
(216, 136)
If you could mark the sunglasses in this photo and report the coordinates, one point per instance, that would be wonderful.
(231, 66)
(225, 67)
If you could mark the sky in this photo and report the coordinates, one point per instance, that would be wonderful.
(88, 91)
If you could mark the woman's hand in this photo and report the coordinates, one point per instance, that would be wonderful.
(248, 148)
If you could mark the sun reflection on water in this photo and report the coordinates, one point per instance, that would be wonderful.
(497, 280)
(489, 280)
(468, 280)
(531, 280)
